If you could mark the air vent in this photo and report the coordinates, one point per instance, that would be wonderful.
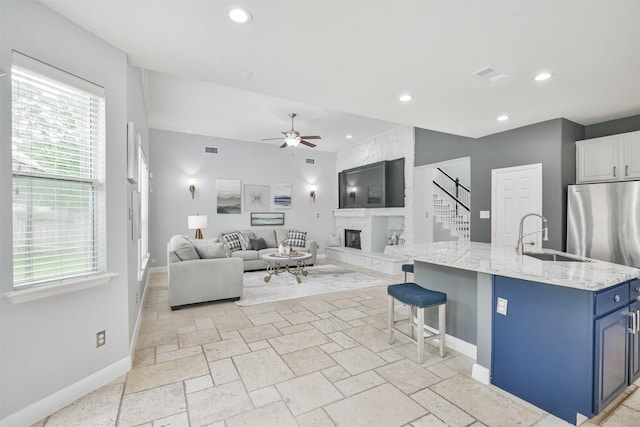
(213, 150)
(490, 74)
(311, 161)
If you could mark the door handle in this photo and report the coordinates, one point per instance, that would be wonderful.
(634, 321)
(614, 171)
(626, 170)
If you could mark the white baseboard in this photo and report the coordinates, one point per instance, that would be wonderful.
(50, 404)
(481, 374)
(456, 344)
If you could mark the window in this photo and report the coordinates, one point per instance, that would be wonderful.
(58, 143)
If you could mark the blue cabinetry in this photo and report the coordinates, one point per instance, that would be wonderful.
(565, 350)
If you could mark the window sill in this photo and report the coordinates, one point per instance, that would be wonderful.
(36, 293)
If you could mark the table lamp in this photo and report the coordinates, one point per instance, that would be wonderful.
(197, 222)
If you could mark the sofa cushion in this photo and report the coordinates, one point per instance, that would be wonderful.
(257, 244)
(297, 238)
(210, 248)
(268, 235)
(183, 247)
(281, 236)
(246, 255)
(245, 239)
(232, 240)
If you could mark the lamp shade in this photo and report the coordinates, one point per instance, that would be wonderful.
(197, 221)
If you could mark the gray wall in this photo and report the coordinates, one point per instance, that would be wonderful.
(47, 346)
(547, 143)
(612, 127)
(177, 156)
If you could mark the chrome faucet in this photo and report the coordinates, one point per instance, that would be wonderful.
(545, 230)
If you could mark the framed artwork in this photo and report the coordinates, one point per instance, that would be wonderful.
(228, 196)
(267, 218)
(132, 154)
(282, 196)
(256, 197)
(136, 210)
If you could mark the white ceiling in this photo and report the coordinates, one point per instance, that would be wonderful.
(341, 65)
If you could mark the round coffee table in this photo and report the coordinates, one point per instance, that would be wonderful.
(276, 264)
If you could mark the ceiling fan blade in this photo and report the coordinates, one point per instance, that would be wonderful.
(311, 137)
(307, 143)
(283, 145)
(271, 139)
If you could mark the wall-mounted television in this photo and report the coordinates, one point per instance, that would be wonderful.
(376, 185)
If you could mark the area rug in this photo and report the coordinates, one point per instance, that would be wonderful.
(321, 279)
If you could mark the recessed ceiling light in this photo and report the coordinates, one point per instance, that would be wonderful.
(239, 15)
(349, 136)
(540, 77)
(406, 97)
(503, 117)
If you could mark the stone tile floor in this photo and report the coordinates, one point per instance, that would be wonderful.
(315, 361)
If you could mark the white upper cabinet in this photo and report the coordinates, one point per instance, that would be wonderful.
(610, 158)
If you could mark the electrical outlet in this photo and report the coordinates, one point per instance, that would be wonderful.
(502, 306)
(101, 338)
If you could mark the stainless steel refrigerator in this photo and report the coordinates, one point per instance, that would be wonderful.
(603, 221)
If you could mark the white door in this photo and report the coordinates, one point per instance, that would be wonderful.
(516, 191)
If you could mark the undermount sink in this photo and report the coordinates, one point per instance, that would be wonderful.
(544, 256)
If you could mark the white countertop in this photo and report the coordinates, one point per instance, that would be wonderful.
(501, 261)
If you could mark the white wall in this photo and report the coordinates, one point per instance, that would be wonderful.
(399, 142)
(48, 354)
(177, 156)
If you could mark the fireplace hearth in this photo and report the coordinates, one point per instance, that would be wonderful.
(352, 239)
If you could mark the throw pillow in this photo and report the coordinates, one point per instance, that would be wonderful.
(268, 235)
(334, 240)
(245, 239)
(182, 246)
(209, 248)
(297, 238)
(258, 244)
(232, 240)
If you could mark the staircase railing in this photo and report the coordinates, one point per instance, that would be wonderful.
(452, 205)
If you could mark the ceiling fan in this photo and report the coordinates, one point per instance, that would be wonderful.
(292, 137)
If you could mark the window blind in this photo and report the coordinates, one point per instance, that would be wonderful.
(58, 143)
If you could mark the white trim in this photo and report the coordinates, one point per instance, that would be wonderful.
(50, 404)
(456, 344)
(70, 285)
(481, 374)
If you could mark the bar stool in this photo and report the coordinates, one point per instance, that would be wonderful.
(417, 298)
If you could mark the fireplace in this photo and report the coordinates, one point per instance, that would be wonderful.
(352, 239)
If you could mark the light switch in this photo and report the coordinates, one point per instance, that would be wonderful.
(485, 214)
(502, 306)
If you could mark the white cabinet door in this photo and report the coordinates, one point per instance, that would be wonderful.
(630, 159)
(597, 160)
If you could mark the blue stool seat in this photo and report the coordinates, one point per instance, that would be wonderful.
(417, 298)
(415, 295)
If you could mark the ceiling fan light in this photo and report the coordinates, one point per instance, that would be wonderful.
(292, 140)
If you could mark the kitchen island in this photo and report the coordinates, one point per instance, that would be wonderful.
(562, 324)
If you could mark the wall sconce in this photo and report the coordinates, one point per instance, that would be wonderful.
(192, 187)
(352, 192)
(197, 222)
(312, 192)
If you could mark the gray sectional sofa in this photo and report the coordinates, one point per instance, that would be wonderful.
(201, 270)
(252, 254)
